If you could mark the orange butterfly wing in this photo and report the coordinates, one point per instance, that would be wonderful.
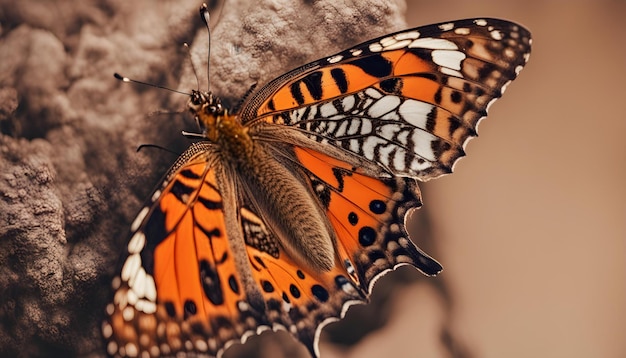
(179, 281)
(203, 268)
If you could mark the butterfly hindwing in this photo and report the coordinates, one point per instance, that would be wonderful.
(368, 215)
(180, 285)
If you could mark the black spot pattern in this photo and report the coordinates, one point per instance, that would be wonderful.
(340, 281)
(190, 308)
(456, 97)
(376, 65)
(232, 283)
(155, 233)
(341, 81)
(267, 286)
(211, 284)
(392, 85)
(367, 236)
(181, 190)
(170, 309)
(320, 293)
(295, 292)
(353, 218)
(300, 274)
(260, 261)
(210, 204)
(313, 83)
(190, 174)
(296, 92)
(378, 206)
(438, 96)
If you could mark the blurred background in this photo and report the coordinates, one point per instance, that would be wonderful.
(531, 228)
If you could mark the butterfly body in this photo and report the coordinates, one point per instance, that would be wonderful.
(286, 213)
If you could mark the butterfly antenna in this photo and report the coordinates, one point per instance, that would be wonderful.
(193, 65)
(126, 79)
(206, 18)
(142, 146)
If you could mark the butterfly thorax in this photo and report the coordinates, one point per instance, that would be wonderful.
(219, 126)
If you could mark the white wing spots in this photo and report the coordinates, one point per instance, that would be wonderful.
(139, 219)
(128, 313)
(115, 284)
(137, 282)
(398, 45)
(131, 349)
(366, 125)
(355, 146)
(504, 86)
(399, 159)
(375, 47)
(298, 113)
(201, 345)
(137, 242)
(447, 26)
(462, 31)
(107, 330)
(112, 348)
(341, 130)
(391, 116)
(130, 267)
(402, 137)
(150, 289)
(434, 44)
(348, 103)
(369, 146)
(422, 144)
(384, 154)
(480, 22)
(327, 110)
(394, 42)
(373, 93)
(356, 52)
(335, 59)
(384, 105)
(415, 112)
(155, 195)
(388, 131)
(518, 69)
(417, 166)
(412, 35)
(450, 59)
(387, 41)
(496, 35)
(508, 52)
(451, 72)
(353, 127)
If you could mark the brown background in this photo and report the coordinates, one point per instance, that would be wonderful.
(531, 228)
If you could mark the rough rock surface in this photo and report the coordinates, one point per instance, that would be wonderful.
(71, 180)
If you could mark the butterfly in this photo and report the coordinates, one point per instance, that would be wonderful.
(287, 212)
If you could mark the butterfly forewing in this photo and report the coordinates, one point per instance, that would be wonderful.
(213, 258)
(407, 101)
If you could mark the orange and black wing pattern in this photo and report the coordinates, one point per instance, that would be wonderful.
(408, 101)
(209, 261)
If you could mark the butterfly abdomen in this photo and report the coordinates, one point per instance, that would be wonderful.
(298, 223)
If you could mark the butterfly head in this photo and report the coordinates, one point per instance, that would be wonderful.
(208, 111)
(217, 124)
